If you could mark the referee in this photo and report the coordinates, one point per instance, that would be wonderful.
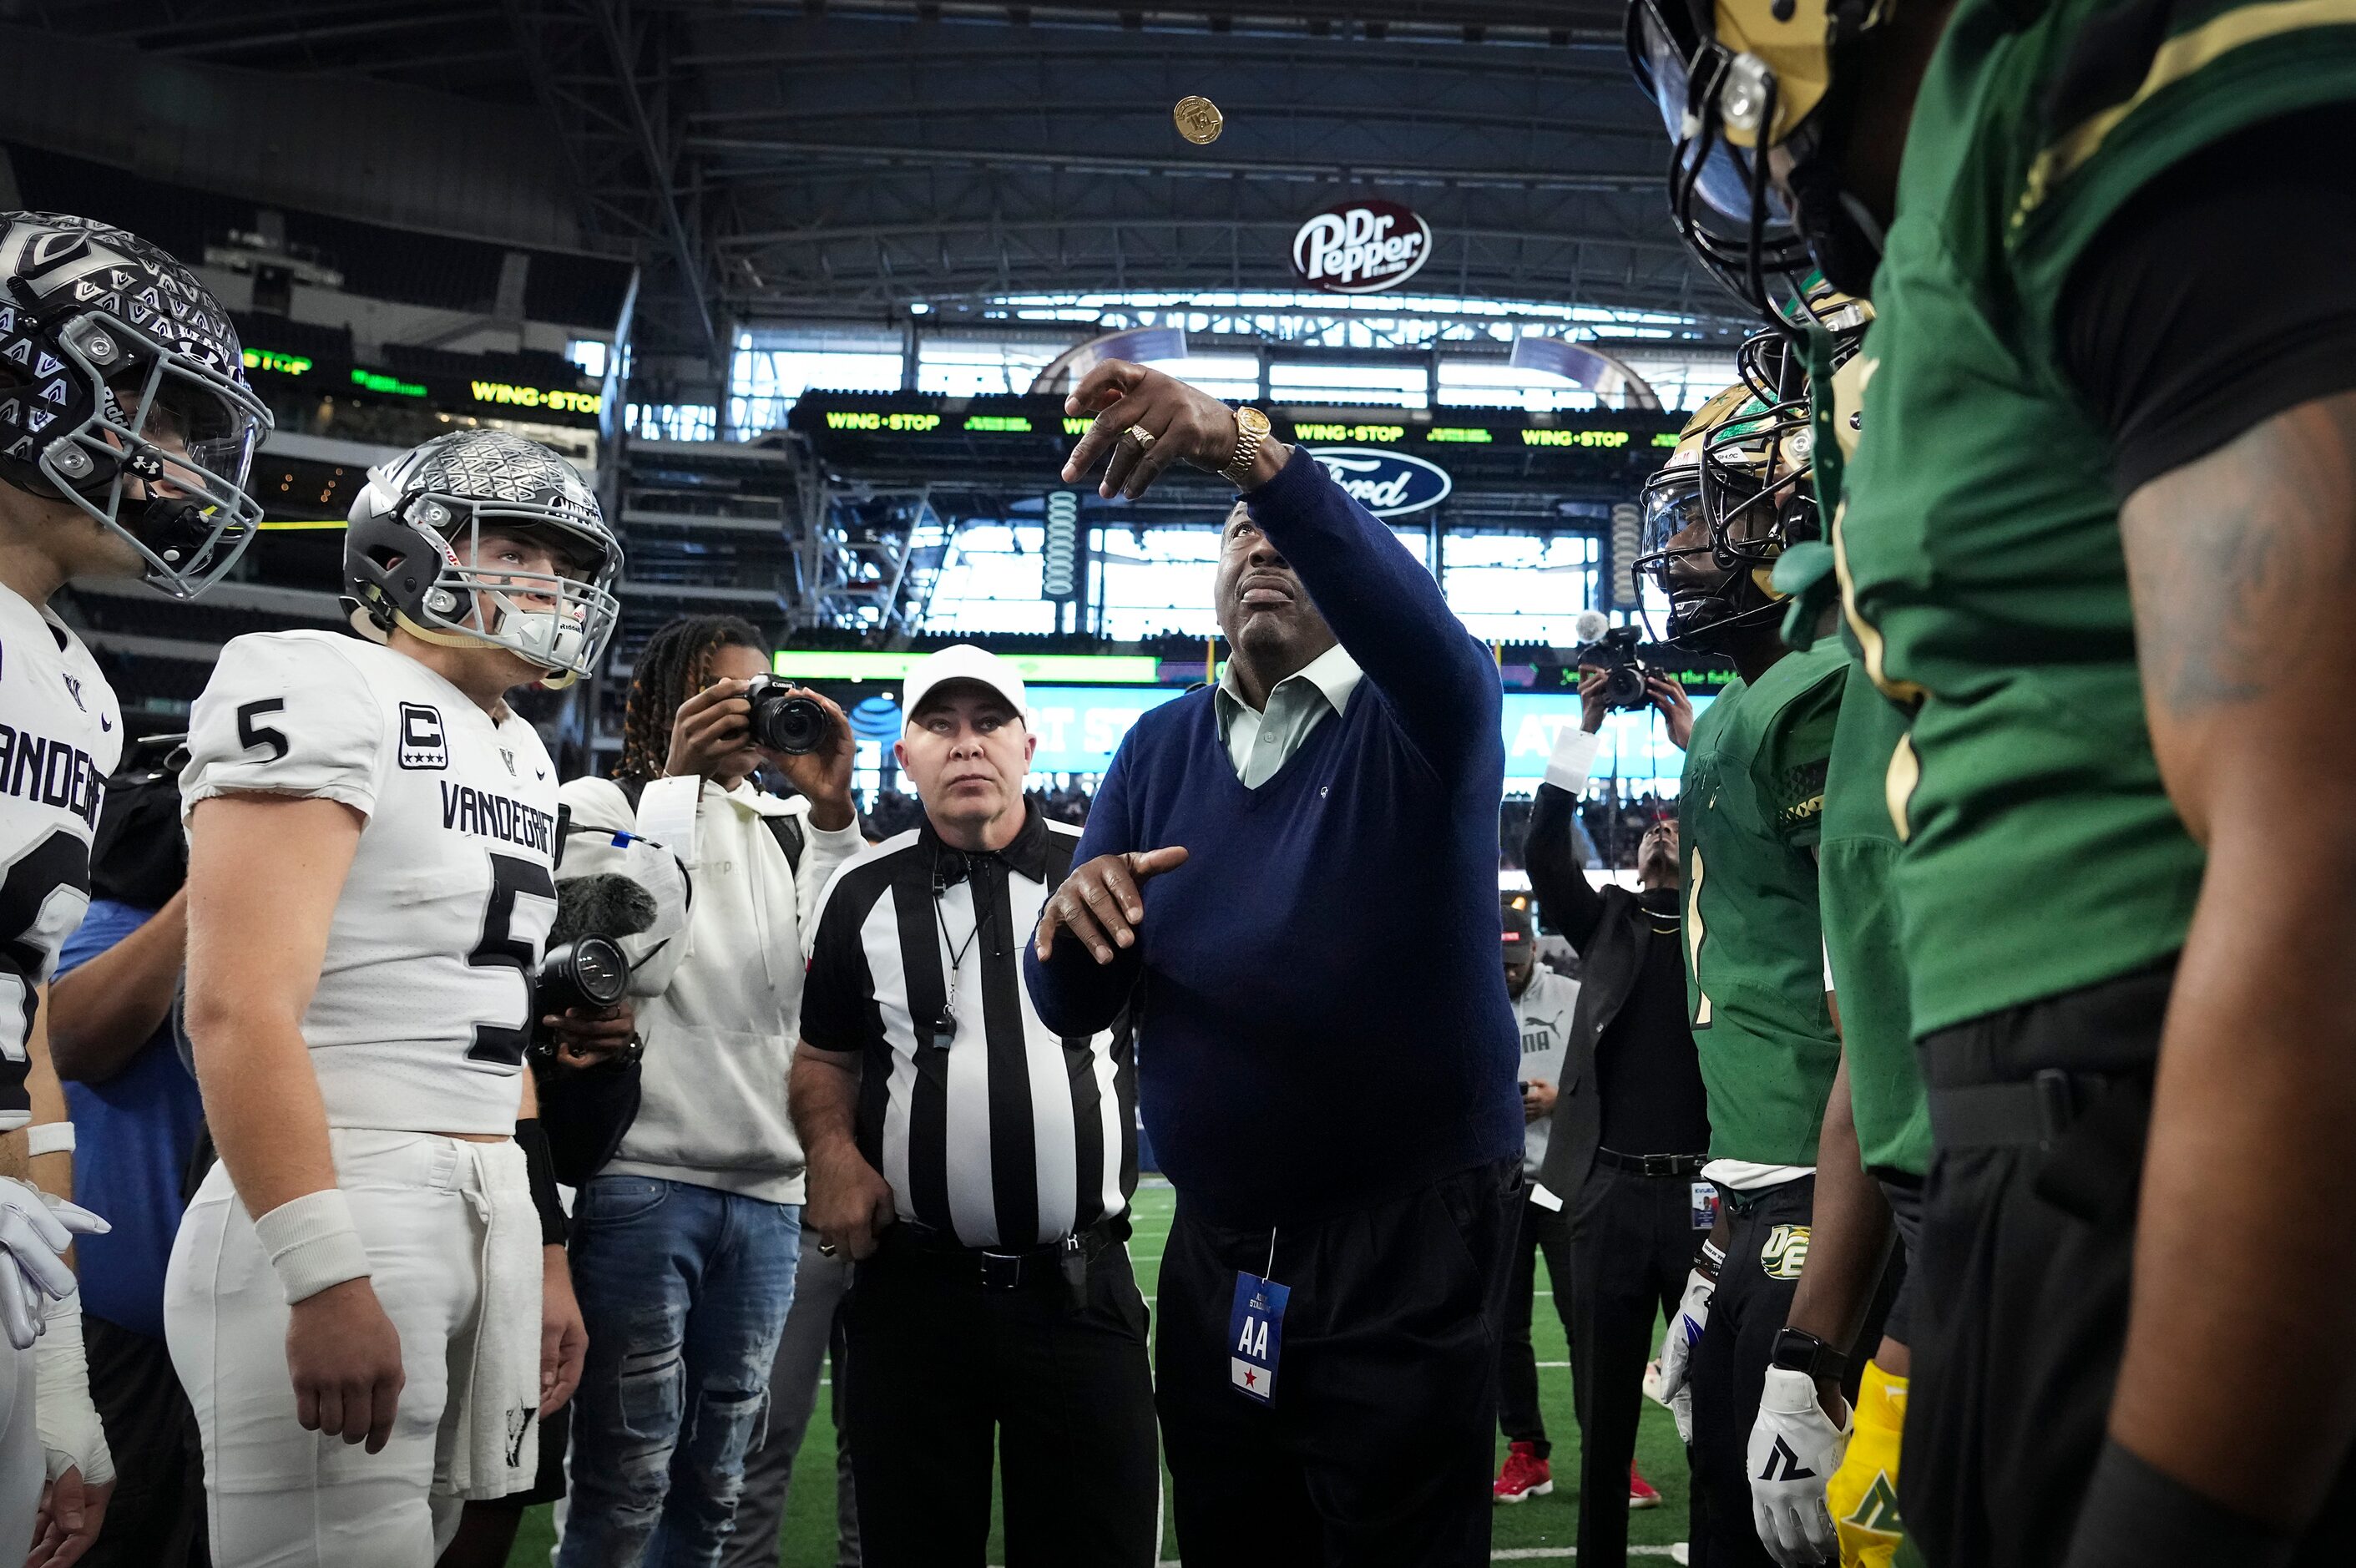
(979, 1167)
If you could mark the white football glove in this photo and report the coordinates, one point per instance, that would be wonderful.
(35, 1231)
(1680, 1406)
(1682, 1333)
(72, 1438)
(1795, 1449)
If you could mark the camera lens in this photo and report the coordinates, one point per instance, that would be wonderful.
(1623, 686)
(791, 725)
(588, 971)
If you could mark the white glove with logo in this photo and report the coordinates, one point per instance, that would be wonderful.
(72, 1435)
(1795, 1449)
(1682, 1333)
(35, 1230)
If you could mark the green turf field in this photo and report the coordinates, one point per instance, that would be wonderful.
(1536, 1530)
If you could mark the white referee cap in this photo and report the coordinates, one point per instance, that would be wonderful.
(964, 661)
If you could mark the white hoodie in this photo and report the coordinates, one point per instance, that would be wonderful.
(720, 1004)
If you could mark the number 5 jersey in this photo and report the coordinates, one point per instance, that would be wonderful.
(60, 736)
(423, 1005)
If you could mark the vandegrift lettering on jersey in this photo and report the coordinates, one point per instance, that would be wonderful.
(451, 892)
(478, 812)
(53, 772)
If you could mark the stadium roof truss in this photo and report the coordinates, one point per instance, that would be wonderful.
(842, 159)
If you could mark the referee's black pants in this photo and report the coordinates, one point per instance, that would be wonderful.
(1541, 1230)
(1377, 1449)
(2026, 1260)
(1633, 1243)
(1061, 1387)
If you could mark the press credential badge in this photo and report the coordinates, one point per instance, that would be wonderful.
(1256, 1334)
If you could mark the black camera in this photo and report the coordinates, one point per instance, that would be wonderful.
(1614, 653)
(782, 722)
(588, 972)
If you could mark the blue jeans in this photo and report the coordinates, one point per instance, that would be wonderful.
(684, 1291)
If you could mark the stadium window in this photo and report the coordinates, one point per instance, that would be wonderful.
(982, 366)
(771, 369)
(673, 420)
(1235, 377)
(589, 353)
(1519, 587)
(1392, 386)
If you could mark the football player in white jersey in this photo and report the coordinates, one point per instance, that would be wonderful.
(365, 1307)
(126, 431)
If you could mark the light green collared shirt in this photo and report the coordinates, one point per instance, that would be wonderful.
(1261, 741)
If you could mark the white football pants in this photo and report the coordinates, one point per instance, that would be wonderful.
(279, 1497)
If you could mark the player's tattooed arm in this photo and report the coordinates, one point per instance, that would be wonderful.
(2239, 563)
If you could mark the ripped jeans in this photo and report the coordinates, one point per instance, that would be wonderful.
(684, 1290)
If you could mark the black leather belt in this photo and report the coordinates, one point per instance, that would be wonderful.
(2026, 1113)
(1653, 1165)
(996, 1270)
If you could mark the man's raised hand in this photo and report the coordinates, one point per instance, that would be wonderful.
(1099, 903)
(1172, 421)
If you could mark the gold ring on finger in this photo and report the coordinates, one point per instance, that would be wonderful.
(1141, 439)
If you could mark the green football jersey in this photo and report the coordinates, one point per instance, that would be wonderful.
(1862, 937)
(1977, 535)
(1749, 813)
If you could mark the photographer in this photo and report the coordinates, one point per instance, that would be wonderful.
(684, 1246)
(1632, 1123)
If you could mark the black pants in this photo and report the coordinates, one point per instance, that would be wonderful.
(1765, 1248)
(1546, 1230)
(1632, 1242)
(156, 1516)
(948, 1371)
(2026, 1264)
(1376, 1450)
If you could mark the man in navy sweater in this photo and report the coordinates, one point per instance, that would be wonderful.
(1293, 878)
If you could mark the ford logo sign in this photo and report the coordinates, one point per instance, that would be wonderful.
(1361, 247)
(1385, 483)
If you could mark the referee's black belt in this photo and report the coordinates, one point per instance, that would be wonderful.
(1652, 1164)
(992, 1268)
(2030, 1113)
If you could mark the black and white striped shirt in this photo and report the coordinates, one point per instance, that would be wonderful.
(988, 1127)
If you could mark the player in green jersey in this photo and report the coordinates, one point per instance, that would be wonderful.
(2095, 535)
(1874, 1125)
(1750, 813)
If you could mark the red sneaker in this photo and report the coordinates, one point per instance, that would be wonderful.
(1639, 1490)
(1524, 1475)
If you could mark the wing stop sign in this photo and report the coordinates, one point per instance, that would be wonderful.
(1361, 247)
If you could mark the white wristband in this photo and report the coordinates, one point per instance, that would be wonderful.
(1574, 757)
(49, 1138)
(313, 1244)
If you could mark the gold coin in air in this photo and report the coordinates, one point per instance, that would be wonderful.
(1199, 120)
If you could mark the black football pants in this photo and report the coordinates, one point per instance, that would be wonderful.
(2025, 1259)
(1376, 1450)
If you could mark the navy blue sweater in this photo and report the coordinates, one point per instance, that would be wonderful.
(1324, 1015)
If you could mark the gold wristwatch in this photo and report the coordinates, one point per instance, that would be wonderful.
(1251, 429)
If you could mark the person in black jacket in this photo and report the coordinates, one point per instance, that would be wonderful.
(1631, 1122)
